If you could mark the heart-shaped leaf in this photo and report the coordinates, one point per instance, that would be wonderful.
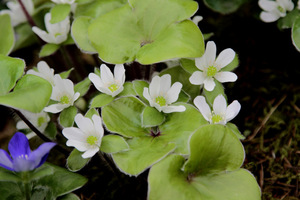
(7, 38)
(113, 144)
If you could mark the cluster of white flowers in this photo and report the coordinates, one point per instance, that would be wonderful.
(273, 10)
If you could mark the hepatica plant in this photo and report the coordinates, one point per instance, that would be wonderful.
(104, 90)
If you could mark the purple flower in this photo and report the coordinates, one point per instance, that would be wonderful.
(22, 158)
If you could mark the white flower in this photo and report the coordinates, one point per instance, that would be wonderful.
(63, 1)
(107, 82)
(298, 5)
(273, 10)
(63, 92)
(196, 19)
(211, 67)
(44, 71)
(87, 137)
(57, 33)
(39, 120)
(221, 114)
(16, 12)
(161, 94)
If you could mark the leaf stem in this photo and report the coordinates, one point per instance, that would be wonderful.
(29, 18)
(27, 185)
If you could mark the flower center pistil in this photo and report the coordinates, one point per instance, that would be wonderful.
(113, 87)
(91, 140)
(65, 100)
(216, 118)
(160, 100)
(281, 9)
(211, 71)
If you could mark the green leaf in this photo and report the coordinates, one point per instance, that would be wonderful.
(166, 180)
(48, 49)
(213, 149)
(113, 144)
(79, 34)
(31, 93)
(138, 86)
(62, 181)
(91, 112)
(51, 130)
(66, 74)
(66, 117)
(178, 74)
(143, 153)
(9, 176)
(188, 65)
(123, 116)
(235, 130)
(26, 36)
(40, 172)
(10, 190)
(11, 69)
(7, 38)
(128, 90)
(83, 86)
(59, 12)
(296, 33)
(224, 6)
(101, 100)
(75, 161)
(152, 117)
(160, 33)
(70, 196)
(288, 21)
(211, 95)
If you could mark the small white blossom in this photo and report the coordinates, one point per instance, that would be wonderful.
(63, 92)
(221, 114)
(39, 120)
(273, 10)
(57, 32)
(196, 19)
(211, 67)
(87, 137)
(107, 82)
(16, 12)
(161, 94)
(44, 71)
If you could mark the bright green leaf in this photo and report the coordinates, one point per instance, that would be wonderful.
(66, 117)
(66, 74)
(83, 86)
(152, 117)
(188, 65)
(91, 112)
(123, 116)
(138, 86)
(31, 93)
(213, 149)
(101, 100)
(75, 161)
(235, 130)
(128, 90)
(11, 69)
(7, 38)
(48, 49)
(211, 95)
(113, 144)
(59, 12)
(296, 33)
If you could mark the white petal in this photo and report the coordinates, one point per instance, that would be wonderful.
(106, 75)
(269, 17)
(210, 53)
(224, 77)
(98, 125)
(232, 110)
(197, 78)
(267, 5)
(220, 105)
(201, 63)
(170, 109)
(165, 84)
(73, 133)
(147, 96)
(43, 35)
(55, 108)
(95, 79)
(209, 84)
(196, 19)
(225, 57)
(173, 93)
(154, 87)
(119, 73)
(203, 107)
(118, 91)
(287, 4)
(90, 153)
(84, 123)
(76, 96)
(80, 146)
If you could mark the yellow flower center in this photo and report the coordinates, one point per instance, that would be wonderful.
(57, 34)
(216, 119)
(65, 100)
(281, 9)
(91, 140)
(211, 71)
(113, 87)
(160, 100)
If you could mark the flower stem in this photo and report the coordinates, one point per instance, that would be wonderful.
(29, 18)
(27, 185)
